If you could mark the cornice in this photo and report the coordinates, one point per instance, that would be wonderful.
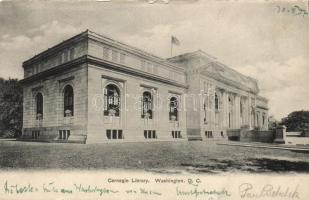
(229, 82)
(131, 71)
(54, 70)
(53, 50)
(262, 107)
(262, 98)
(101, 63)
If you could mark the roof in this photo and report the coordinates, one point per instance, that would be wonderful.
(210, 66)
(197, 53)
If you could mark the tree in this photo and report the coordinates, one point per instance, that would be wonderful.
(296, 121)
(11, 107)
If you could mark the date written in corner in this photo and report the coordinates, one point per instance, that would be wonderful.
(249, 191)
(294, 10)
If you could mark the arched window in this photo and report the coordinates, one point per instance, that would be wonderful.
(68, 101)
(147, 105)
(216, 102)
(173, 109)
(39, 106)
(111, 100)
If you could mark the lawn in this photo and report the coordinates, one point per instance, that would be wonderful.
(163, 157)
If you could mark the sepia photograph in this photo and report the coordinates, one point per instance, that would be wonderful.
(151, 93)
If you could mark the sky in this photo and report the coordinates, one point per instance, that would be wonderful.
(257, 38)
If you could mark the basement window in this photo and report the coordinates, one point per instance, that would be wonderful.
(176, 134)
(64, 134)
(208, 134)
(113, 134)
(150, 134)
(35, 134)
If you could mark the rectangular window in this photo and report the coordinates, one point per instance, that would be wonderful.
(145, 134)
(208, 134)
(60, 135)
(64, 134)
(35, 134)
(150, 134)
(176, 134)
(120, 136)
(113, 134)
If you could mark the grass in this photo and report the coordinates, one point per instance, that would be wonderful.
(166, 157)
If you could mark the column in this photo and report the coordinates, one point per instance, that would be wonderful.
(225, 109)
(237, 111)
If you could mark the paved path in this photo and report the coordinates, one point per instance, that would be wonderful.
(7, 139)
(267, 146)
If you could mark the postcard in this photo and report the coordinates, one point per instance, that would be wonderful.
(154, 99)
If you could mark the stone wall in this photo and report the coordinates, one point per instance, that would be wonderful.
(130, 121)
(53, 120)
(246, 135)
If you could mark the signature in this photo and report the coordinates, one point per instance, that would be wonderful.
(293, 10)
(201, 192)
(248, 191)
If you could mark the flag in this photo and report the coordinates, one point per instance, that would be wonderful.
(175, 41)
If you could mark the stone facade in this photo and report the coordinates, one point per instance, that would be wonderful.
(120, 93)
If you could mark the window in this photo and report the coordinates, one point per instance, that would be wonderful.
(68, 106)
(150, 134)
(147, 105)
(176, 134)
(113, 134)
(64, 134)
(208, 134)
(173, 114)
(39, 106)
(111, 100)
(216, 102)
(35, 134)
(263, 119)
